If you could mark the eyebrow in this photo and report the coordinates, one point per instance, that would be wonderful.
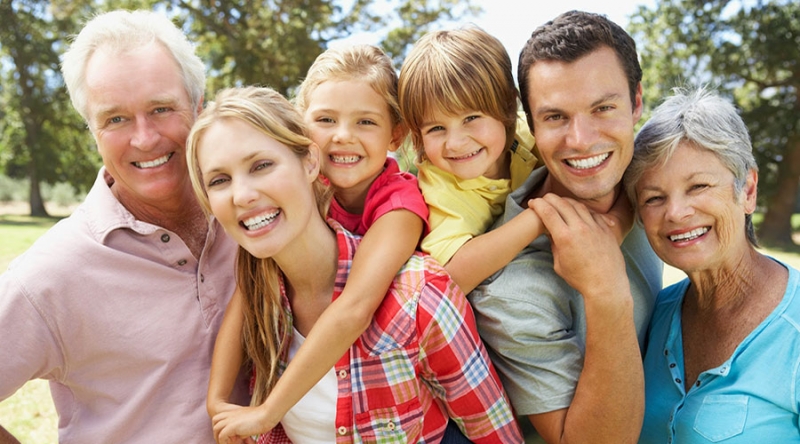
(112, 110)
(550, 110)
(247, 158)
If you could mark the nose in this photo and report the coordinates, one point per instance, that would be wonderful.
(244, 194)
(456, 139)
(343, 133)
(678, 208)
(581, 132)
(145, 134)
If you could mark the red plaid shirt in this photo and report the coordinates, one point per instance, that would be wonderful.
(418, 364)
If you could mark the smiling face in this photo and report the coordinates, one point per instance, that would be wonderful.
(353, 126)
(467, 145)
(690, 212)
(258, 188)
(140, 114)
(583, 121)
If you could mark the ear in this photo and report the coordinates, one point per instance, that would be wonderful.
(399, 133)
(199, 106)
(750, 191)
(311, 162)
(638, 104)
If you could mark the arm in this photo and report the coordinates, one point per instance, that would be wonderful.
(6, 437)
(457, 366)
(226, 362)
(483, 255)
(608, 404)
(386, 246)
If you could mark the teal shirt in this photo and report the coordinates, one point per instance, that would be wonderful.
(753, 397)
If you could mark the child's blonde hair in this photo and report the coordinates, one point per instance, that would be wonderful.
(453, 71)
(266, 325)
(364, 63)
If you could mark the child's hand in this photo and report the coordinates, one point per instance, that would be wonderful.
(239, 425)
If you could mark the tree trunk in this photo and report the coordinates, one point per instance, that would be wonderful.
(35, 199)
(776, 229)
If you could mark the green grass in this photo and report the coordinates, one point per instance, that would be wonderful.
(18, 233)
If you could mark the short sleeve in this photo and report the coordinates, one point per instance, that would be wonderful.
(28, 348)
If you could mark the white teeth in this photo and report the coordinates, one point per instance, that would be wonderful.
(591, 162)
(466, 156)
(345, 159)
(260, 221)
(694, 234)
(153, 163)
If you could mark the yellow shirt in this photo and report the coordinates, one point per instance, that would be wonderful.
(463, 209)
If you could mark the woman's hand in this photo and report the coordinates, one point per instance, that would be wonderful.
(236, 424)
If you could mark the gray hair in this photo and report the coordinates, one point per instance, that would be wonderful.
(706, 121)
(124, 31)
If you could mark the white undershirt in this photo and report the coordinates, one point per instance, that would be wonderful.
(313, 419)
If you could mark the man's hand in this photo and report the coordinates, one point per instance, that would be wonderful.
(585, 250)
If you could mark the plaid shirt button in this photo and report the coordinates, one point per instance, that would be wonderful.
(342, 374)
(342, 430)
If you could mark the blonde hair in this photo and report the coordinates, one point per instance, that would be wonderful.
(266, 325)
(457, 70)
(364, 63)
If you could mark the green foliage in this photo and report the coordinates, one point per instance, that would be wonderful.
(267, 42)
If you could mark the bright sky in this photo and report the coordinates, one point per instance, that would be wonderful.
(512, 21)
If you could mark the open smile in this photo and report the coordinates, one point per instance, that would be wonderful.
(344, 159)
(587, 163)
(689, 235)
(466, 156)
(260, 221)
(153, 163)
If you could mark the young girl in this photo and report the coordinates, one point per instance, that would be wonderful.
(458, 98)
(418, 363)
(349, 101)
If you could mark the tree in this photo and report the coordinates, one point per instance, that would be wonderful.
(751, 52)
(268, 42)
(274, 42)
(43, 139)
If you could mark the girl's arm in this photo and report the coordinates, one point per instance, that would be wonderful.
(226, 362)
(483, 255)
(387, 245)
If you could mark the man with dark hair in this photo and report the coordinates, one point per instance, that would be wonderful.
(565, 320)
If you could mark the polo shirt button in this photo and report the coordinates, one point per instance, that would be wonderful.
(202, 278)
(390, 426)
(342, 430)
(182, 262)
(165, 238)
(678, 380)
(672, 365)
(342, 374)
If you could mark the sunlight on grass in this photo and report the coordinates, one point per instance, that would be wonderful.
(29, 415)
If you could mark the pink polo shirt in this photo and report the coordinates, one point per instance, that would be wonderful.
(121, 319)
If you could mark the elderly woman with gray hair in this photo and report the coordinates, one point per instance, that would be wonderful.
(723, 352)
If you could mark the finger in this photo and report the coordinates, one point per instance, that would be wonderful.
(549, 214)
(572, 210)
